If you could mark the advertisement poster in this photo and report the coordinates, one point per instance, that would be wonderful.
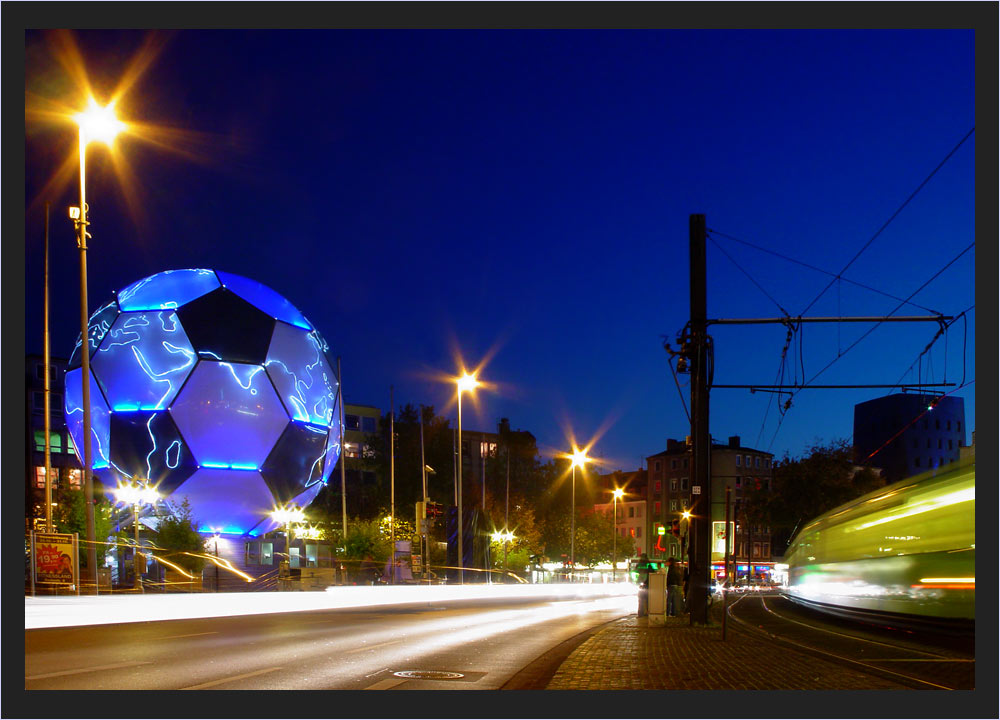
(719, 539)
(56, 561)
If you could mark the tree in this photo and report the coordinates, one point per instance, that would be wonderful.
(177, 535)
(807, 487)
(69, 516)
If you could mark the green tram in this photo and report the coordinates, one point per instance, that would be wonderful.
(908, 549)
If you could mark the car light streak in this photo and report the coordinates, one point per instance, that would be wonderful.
(68, 611)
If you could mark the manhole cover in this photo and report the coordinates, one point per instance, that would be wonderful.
(428, 675)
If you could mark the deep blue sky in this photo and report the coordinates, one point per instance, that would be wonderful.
(526, 194)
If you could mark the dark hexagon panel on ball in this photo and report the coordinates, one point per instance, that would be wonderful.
(214, 388)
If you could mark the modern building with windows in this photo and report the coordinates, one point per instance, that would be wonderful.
(66, 468)
(670, 495)
(907, 434)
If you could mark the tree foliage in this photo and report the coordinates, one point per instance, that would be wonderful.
(69, 516)
(807, 487)
(178, 536)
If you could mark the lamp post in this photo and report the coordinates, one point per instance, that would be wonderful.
(578, 458)
(287, 515)
(100, 124)
(136, 493)
(466, 382)
(618, 492)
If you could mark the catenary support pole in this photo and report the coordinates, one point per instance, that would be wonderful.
(700, 524)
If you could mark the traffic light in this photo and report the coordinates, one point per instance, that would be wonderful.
(434, 509)
(675, 528)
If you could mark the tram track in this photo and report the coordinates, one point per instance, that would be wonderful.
(910, 661)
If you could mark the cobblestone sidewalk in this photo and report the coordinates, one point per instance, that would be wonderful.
(630, 655)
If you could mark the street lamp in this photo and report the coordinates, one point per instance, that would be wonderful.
(136, 493)
(618, 492)
(579, 459)
(465, 383)
(98, 124)
(287, 515)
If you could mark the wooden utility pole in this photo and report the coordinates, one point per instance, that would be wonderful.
(701, 440)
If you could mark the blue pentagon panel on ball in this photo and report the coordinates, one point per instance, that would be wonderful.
(227, 501)
(100, 418)
(143, 360)
(296, 462)
(264, 298)
(229, 414)
(148, 445)
(301, 374)
(98, 325)
(223, 326)
(167, 290)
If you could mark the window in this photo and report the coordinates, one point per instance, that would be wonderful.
(928, 443)
(631, 513)
(684, 483)
(748, 461)
(937, 423)
(38, 401)
(673, 506)
(916, 462)
(939, 443)
(739, 459)
(657, 487)
(767, 462)
(959, 425)
(40, 476)
(352, 422)
(685, 463)
(367, 424)
(70, 448)
(656, 508)
(656, 468)
(638, 511)
(756, 550)
(949, 446)
(673, 465)
(638, 532)
(739, 481)
(949, 424)
(74, 476)
(40, 441)
(756, 462)
(267, 553)
(352, 449)
(673, 484)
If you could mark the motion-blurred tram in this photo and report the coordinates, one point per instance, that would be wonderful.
(907, 550)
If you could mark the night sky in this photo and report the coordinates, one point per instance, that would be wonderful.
(522, 197)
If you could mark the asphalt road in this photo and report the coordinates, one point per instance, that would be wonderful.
(453, 644)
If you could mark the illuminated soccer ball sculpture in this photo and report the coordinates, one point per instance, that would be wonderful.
(212, 387)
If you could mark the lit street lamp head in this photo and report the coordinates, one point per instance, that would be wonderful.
(467, 382)
(99, 123)
(579, 458)
(618, 493)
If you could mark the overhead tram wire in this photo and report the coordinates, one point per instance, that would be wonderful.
(817, 269)
(942, 330)
(877, 324)
(891, 218)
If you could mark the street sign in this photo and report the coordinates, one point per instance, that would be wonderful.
(696, 489)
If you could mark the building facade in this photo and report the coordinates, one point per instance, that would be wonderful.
(631, 519)
(907, 434)
(66, 467)
(670, 494)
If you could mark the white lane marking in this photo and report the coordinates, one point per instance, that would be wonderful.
(370, 647)
(85, 670)
(230, 679)
(172, 637)
(386, 684)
